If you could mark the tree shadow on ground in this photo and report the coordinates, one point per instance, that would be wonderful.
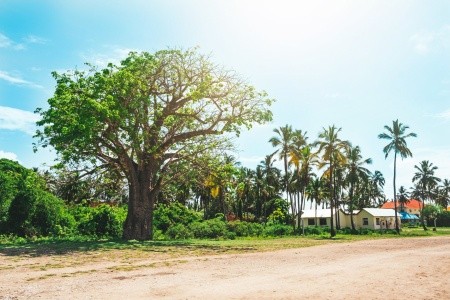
(62, 246)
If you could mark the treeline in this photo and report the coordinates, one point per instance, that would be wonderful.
(216, 199)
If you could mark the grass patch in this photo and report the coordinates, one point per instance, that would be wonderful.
(99, 249)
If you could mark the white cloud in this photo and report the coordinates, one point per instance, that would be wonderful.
(113, 54)
(17, 119)
(444, 115)
(33, 39)
(8, 155)
(17, 80)
(5, 42)
(425, 42)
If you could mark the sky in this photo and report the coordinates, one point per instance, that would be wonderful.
(358, 65)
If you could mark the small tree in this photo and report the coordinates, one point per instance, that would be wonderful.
(143, 116)
(432, 212)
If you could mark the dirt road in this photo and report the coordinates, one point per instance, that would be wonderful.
(416, 268)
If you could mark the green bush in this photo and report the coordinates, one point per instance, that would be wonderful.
(166, 216)
(179, 232)
(103, 220)
(278, 230)
(38, 213)
(51, 217)
(242, 228)
(313, 230)
(443, 219)
(213, 228)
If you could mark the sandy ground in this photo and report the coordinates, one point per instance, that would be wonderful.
(413, 268)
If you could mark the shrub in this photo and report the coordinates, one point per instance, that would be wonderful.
(242, 228)
(102, 220)
(212, 228)
(51, 217)
(165, 216)
(313, 230)
(443, 219)
(278, 230)
(179, 232)
(37, 213)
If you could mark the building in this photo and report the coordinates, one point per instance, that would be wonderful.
(412, 207)
(370, 218)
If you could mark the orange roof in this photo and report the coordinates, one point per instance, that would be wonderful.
(413, 203)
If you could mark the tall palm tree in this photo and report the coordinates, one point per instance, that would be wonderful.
(427, 181)
(331, 148)
(396, 135)
(283, 141)
(356, 170)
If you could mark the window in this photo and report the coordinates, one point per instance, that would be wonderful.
(365, 221)
(377, 220)
(311, 222)
(323, 222)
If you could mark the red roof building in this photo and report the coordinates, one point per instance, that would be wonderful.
(413, 203)
(412, 207)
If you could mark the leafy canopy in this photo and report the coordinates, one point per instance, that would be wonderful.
(157, 108)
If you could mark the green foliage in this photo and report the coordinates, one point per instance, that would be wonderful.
(166, 216)
(278, 230)
(51, 217)
(15, 179)
(213, 228)
(443, 219)
(179, 232)
(38, 213)
(319, 230)
(277, 217)
(102, 221)
(242, 228)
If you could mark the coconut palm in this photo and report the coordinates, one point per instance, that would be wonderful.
(403, 197)
(427, 181)
(268, 184)
(377, 182)
(396, 135)
(331, 148)
(316, 192)
(356, 170)
(444, 193)
(283, 141)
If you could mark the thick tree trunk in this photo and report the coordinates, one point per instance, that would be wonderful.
(139, 222)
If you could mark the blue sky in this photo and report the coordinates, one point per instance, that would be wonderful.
(356, 64)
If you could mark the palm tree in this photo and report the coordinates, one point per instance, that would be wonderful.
(403, 197)
(284, 141)
(396, 135)
(316, 192)
(426, 180)
(377, 182)
(356, 170)
(268, 184)
(331, 147)
(444, 193)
